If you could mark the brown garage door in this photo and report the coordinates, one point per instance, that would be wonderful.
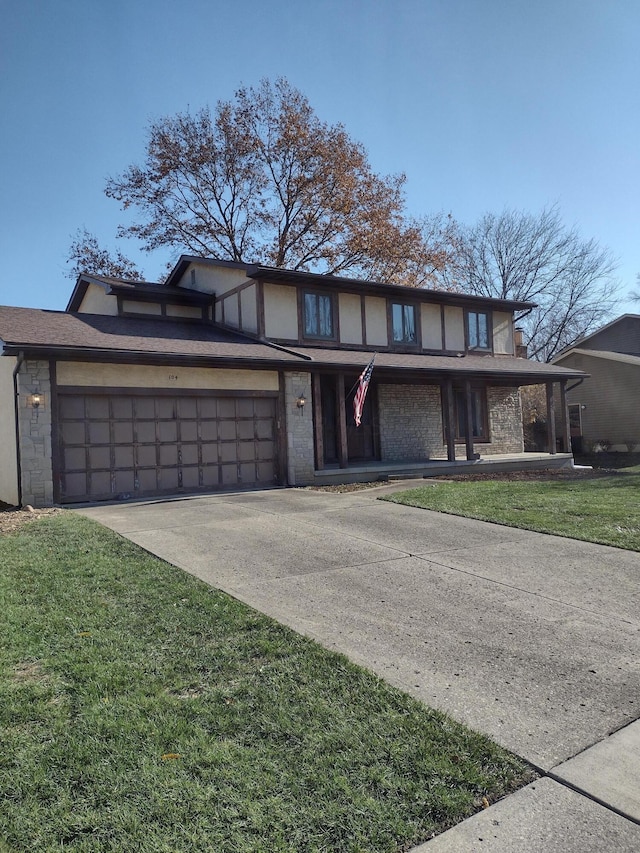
(127, 445)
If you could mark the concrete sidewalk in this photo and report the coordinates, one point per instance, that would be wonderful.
(531, 639)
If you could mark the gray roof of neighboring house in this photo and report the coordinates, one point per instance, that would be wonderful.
(621, 357)
(108, 337)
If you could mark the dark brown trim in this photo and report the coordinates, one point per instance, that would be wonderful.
(260, 309)
(56, 460)
(93, 391)
(448, 414)
(468, 437)
(318, 436)
(343, 452)
(363, 318)
(281, 429)
(565, 430)
(551, 420)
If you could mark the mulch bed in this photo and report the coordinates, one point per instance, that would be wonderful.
(12, 518)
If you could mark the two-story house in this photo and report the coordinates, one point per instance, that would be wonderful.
(232, 375)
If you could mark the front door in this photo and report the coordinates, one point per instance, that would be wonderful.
(362, 441)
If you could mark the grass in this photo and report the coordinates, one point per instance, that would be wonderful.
(605, 509)
(142, 710)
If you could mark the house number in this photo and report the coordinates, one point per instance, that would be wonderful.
(173, 376)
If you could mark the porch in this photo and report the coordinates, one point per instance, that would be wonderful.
(421, 469)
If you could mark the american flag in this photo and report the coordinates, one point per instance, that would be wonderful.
(361, 393)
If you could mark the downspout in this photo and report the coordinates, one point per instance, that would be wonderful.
(16, 369)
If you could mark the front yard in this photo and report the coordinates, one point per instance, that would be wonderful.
(142, 710)
(602, 507)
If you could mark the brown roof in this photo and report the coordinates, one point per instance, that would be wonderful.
(33, 329)
(507, 367)
(97, 336)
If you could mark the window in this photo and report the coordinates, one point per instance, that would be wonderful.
(403, 319)
(479, 427)
(478, 330)
(318, 315)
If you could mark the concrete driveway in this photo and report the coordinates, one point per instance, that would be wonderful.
(532, 639)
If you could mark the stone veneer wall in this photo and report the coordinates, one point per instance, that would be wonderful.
(299, 426)
(505, 421)
(410, 422)
(35, 434)
(411, 425)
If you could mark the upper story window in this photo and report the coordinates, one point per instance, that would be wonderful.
(318, 315)
(403, 320)
(478, 330)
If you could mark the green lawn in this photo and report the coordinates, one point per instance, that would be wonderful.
(143, 711)
(605, 509)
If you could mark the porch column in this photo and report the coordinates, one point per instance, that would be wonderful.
(318, 438)
(551, 419)
(343, 455)
(449, 420)
(564, 417)
(468, 421)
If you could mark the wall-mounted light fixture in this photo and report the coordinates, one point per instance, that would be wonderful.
(35, 400)
(301, 402)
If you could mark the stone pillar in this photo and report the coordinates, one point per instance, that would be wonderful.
(35, 433)
(299, 426)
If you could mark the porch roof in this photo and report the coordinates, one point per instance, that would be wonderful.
(504, 368)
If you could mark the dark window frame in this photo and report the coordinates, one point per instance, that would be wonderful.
(318, 295)
(404, 341)
(472, 319)
(481, 417)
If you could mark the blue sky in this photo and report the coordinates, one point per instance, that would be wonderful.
(484, 104)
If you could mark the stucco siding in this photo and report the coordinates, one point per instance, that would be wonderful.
(376, 321)
(431, 327)
(96, 301)
(350, 316)
(249, 309)
(232, 311)
(280, 312)
(209, 279)
(502, 333)
(8, 455)
(453, 328)
(147, 376)
(134, 306)
(189, 312)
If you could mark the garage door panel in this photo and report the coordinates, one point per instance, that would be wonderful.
(123, 433)
(96, 407)
(99, 484)
(190, 478)
(188, 430)
(121, 445)
(145, 408)
(75, 458)
(145, 431)
(123, 456)
(189, 454)
(146, 455)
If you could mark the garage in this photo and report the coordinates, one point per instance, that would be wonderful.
(124, 445)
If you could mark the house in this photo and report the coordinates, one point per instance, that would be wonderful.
(604, 409)
(233, 375)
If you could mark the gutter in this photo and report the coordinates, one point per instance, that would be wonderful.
(16, 369)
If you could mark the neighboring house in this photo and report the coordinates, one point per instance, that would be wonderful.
(232, 375)
(604, 410)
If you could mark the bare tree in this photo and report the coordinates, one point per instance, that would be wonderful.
(536, 258)
(86, 255)
(263, 179)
